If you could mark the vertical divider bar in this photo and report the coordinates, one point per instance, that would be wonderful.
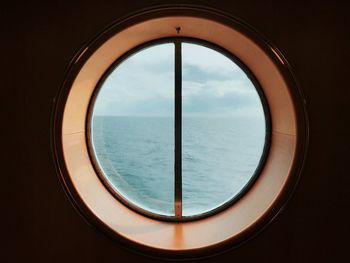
(178, 130)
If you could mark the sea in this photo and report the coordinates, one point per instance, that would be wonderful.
(219, 158)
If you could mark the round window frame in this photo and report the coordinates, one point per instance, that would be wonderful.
(235, 61)
(222, 231)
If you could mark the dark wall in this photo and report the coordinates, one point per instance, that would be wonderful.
(38, 39)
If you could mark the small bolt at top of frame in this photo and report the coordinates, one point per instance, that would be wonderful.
(178, 29)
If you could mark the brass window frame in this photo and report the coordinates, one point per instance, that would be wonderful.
(237, 223)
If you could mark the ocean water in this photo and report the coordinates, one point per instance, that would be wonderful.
(219, 157)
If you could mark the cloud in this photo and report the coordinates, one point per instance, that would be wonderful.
(143, 84)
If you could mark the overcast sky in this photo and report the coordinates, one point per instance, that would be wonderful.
(143, 85)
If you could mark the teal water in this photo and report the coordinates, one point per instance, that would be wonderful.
(219, 157)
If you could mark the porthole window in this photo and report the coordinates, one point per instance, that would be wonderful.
(179, 131)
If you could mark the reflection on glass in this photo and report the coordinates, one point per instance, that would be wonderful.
(133, 129)
(223, 129)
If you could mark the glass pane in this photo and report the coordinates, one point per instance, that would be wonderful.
(223, 129)
(133, 129)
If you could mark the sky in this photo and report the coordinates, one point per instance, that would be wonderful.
(143, 85)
